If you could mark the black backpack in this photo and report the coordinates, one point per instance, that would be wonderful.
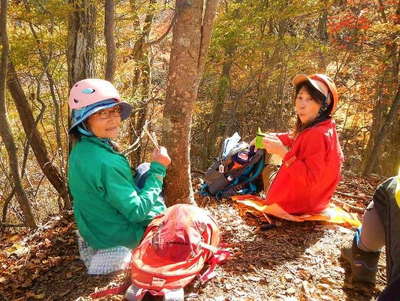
(237, 172)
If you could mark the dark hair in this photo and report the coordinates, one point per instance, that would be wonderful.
(318, 97)
(74, 136)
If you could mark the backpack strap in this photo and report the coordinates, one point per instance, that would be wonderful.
(219, 256)
(119, 290)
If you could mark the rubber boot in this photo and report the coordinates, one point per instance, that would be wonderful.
(364, 265)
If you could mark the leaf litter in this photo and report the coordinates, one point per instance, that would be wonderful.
(285, 261)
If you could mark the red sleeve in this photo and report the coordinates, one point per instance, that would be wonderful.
(309, 163)
(285, 138)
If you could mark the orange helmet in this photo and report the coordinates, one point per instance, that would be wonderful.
(322, 83)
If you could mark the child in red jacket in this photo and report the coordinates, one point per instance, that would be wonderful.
(311, 154)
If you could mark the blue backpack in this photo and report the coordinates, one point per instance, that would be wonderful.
(236, 171)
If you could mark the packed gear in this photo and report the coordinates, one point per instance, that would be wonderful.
(91, 95)
(175, 247)
(236, 171)
(322, 83)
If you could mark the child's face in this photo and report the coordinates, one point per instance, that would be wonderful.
(306, 107)
(105, 123)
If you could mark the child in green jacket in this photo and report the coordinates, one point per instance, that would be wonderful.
(111, 210)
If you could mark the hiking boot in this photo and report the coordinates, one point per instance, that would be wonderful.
(364, 265)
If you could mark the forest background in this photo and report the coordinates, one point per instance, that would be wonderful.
(244, 81)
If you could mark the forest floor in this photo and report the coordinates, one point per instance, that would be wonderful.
(292, 261)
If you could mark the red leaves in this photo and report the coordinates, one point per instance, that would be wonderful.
(348, 22)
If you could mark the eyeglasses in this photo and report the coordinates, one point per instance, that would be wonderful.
(108, 113)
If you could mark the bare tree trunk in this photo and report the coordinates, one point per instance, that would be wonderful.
(280, 122)
(191, 38)
(141, 79)
(380, 137)
(392, 53)
(81, 38)
(109, 25)
(34, 137)
(5, 130)
(323, 37)
(56, 104)
(377, 118)
(216, 119)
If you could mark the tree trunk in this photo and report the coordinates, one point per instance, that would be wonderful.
(81, 38)
(381, 135)
(5, 130)
(323, 38)
(56, 103)
(393, 54)
(191, 38)
(109, 25)
(141, 79)
(34, 137)
(377, 119)
(217, 115)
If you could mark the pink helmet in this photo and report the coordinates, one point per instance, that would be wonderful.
(91, 95)
(91, 90)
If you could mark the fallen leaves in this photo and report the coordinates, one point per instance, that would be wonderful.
(291, 261)
(18, 249)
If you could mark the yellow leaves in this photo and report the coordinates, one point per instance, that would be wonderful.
(17, 249)
(385, 28)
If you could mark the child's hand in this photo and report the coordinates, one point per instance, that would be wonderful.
(161, 156)
(274, 145)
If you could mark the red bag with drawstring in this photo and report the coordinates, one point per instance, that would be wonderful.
(174, 250)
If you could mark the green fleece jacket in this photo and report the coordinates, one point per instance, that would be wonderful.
(109, 208)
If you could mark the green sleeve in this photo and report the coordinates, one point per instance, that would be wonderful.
(157, 170)
(136, 206)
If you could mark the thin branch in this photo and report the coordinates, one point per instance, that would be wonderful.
(5, 206)
(135, 144)
(353, 196)
(171, 25)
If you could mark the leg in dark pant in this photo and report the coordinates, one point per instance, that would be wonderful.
(381, 226)
(389, 213)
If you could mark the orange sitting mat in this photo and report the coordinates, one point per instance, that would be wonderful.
(332, 214)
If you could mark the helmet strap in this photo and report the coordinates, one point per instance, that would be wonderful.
(84, 130)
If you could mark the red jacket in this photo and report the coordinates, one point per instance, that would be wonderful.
(310, 171)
